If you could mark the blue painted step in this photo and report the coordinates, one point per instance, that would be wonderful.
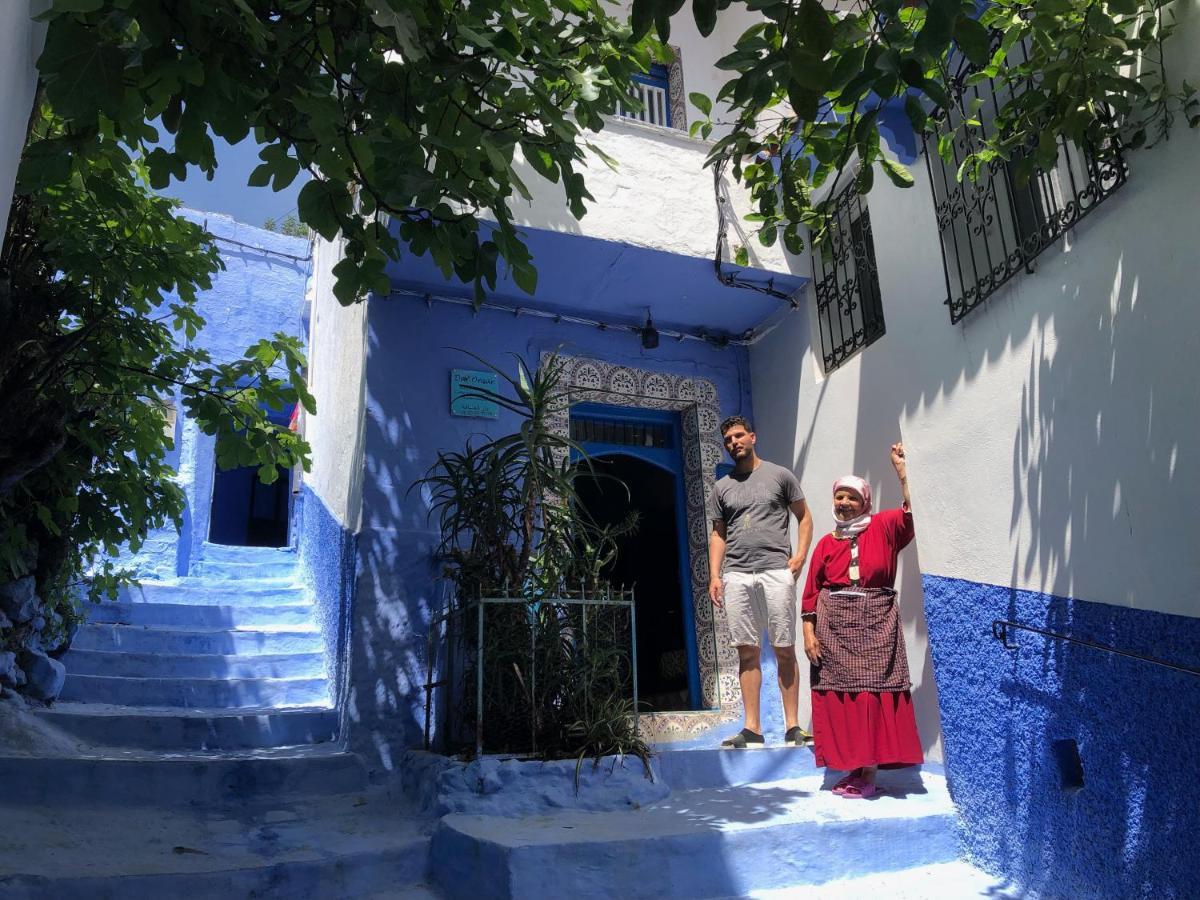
(689, 769)
(128, 664)
(194, 729)
(182, 615)
(232, 553)
(193, 591)
(195, 692)
(199, 780)
(222, 641)
(356, 845)
(707, 842)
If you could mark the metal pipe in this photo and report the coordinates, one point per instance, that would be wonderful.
(1000, 632)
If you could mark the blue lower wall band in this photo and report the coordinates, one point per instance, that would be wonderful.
(1008, 717)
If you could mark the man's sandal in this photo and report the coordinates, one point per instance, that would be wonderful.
(744, 740)
(797, 737)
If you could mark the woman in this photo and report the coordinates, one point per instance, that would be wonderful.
(862, 710)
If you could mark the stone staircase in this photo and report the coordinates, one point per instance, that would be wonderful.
(207, 761)
(227, 660)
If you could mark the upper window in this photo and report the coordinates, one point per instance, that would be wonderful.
(993, 229)
(846, 282)
(660, 93)
(653, 90)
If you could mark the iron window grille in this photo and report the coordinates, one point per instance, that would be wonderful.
(994, 228)
(846, 279)
(621, 432)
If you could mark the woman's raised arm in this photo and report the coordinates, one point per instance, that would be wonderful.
(899, 463)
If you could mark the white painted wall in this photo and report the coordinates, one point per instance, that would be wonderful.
(661, 197)
(336, 356)
(20, 45)
(1053, 434)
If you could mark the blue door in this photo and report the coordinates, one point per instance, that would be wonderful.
(641, 449)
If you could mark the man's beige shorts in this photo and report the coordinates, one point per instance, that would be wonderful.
(762, 600)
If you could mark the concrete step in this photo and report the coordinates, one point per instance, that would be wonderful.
(196, 692)
(184, 615)
(706, 842)
(714, 768)
(161, 728)
(128, 664)
(212, 570)
(230, 553)
(215, 640)
(202, 592)
(354, 845)
(208, 780)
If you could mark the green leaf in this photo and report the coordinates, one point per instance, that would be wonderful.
(705, 13)
(701, 102)
(525, 277)
(642, 18)
(741, 256)
(897, 172)
(973, 39)
(814, 27)
(84, 75)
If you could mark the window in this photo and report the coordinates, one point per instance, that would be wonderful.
(660, 92)
(994, 228)
(846, 279)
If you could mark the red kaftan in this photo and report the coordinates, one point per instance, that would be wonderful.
(867, 728)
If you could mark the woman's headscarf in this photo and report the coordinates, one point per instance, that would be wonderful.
(860, 522)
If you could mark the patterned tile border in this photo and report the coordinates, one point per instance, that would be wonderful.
(591, 380)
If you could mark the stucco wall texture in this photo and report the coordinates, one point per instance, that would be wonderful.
(1130, 831)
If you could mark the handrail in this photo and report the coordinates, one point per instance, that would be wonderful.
(1000, 632)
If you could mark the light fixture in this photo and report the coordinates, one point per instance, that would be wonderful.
(649, 333)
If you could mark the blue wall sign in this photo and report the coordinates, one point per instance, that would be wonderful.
(463, 399)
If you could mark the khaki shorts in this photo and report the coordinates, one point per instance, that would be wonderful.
(761, 600)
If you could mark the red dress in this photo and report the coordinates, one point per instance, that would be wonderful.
(867, 728)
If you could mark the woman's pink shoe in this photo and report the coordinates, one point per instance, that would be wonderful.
(859, 789)
(840, 787)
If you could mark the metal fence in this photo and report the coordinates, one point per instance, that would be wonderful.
(508, 676)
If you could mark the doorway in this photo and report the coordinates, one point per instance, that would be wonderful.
(246, 512)
(639, 467)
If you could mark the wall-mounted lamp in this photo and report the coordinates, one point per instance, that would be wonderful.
(649, 333)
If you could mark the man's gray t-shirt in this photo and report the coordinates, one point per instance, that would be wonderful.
(754, 508)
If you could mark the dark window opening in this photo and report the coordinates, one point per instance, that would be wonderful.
(622, 432)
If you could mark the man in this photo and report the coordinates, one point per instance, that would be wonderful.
(752, 505)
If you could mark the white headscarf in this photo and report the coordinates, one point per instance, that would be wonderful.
(859, 523)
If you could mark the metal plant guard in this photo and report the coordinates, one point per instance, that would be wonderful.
(457, 661)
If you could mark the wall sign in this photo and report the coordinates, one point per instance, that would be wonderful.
(463, 385)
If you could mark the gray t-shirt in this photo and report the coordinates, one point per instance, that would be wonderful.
(754, 508)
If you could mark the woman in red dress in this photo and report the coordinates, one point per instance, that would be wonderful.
(862, 709)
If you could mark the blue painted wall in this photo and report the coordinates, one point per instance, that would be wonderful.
(1131, 830)
(260, 291)
(327, 553)
(407, 422)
